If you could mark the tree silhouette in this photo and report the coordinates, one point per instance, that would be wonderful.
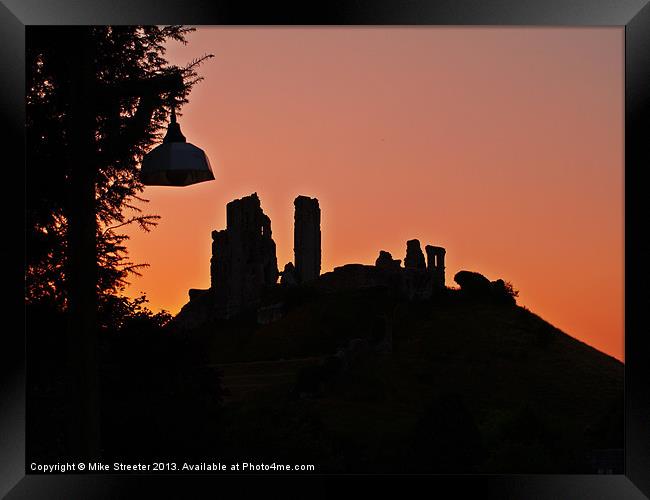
(97, 98)
(126, 104)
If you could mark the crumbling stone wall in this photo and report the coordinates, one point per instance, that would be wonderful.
(243, 256)
(414, 257)
(386, 261)
(436, 263)
(244, 265)
(307, 238)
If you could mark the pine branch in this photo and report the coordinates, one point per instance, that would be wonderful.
(145, 222)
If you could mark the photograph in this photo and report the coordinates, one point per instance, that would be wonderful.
(325, 249)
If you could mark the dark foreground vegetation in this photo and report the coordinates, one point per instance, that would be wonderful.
(352, 381)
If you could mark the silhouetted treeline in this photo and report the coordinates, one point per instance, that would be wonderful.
(129, 86)
(157, 396)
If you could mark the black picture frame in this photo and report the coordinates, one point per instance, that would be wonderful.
(633, 15)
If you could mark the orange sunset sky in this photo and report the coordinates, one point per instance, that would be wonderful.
(504, 145)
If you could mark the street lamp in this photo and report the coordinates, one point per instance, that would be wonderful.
(175, 162)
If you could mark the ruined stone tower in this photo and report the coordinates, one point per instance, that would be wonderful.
(414, 257)
(306, 238)
(243, 256)
(436, 263)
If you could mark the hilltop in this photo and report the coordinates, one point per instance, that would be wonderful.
(367, 368)
(520, 393)
(382, 367)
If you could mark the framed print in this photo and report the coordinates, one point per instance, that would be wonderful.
(360, 242)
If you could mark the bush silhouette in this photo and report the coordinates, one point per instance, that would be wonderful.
(476, 286)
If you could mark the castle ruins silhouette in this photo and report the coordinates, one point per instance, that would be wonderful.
(244, 268)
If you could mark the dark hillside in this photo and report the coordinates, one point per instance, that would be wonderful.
(350, 380)
(493, 386)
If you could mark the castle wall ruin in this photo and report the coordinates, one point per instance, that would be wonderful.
(414, 257)
(243, 256)
(244, 267)
(307, 239)
(436, 263)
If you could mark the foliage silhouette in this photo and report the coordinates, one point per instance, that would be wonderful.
(129, 107)
(157, 394)
(474, 285)
(97, 97)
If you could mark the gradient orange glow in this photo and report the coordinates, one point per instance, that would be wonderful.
(504, 145)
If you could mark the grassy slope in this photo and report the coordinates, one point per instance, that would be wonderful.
(500, 359)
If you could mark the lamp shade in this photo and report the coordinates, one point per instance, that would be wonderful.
(175, 162)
